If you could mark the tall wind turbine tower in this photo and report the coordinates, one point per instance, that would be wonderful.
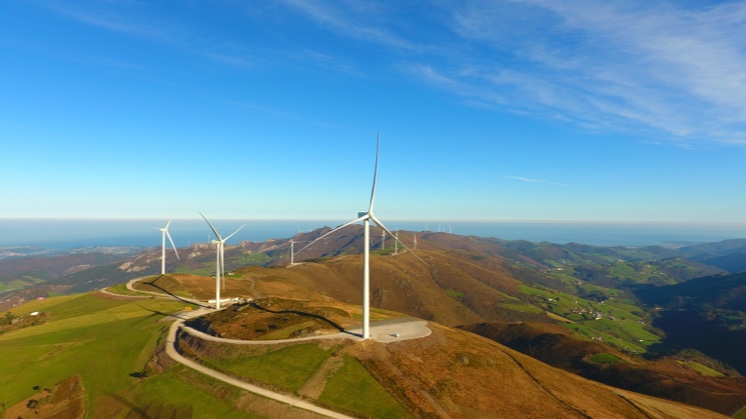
(164, 234)
(396, 245)
(366, 218)
(292, 251)
(220, 261)
(383, 240)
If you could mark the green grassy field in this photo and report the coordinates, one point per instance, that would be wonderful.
(605, 358)
(290, 367)
(108, 344)
(370, 398)
(287, 368)
(454, 294)
(207, 269)
(616, 321)
(100, 340)
(702, 369)
(194, 395)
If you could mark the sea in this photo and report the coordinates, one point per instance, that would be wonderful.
(75, 233)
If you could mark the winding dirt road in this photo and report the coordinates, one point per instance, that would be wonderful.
(383, 331)
(293, 401)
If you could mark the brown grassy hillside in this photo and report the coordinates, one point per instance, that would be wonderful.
(667, 378)
(452, 288)
(458, 287)
(473, 377)
(456, 374)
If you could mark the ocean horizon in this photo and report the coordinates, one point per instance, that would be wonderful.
(72, 233)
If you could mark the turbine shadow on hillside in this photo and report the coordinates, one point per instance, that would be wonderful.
(303, 314)
(172, 295)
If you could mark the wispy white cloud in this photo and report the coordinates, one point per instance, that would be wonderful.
(654, 67)
(669, 70)
(136, 19)
(672, 71)
(523, 179)
(355, 19)
(114, 19)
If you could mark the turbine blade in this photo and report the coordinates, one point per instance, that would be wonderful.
(234, 233)
(213, 228)
(356, 220)
(169, 220)
(375, 174)
(172, 244)
(380, 224)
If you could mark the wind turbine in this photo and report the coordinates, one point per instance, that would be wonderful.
(366, 218)
(220, 263)
(383, 240)
(292, 251)
(164, 233)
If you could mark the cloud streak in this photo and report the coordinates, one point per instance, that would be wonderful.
(659, 69)
(668, 71)
(628, 66)
(527, 180)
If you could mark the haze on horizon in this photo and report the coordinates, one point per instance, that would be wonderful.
(488, 110)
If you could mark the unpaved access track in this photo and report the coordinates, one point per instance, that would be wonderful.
(385, 331)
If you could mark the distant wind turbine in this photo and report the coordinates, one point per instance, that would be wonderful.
(164, 234)
(366, 218)
(383, 239)
(292, 251)
(220, 264)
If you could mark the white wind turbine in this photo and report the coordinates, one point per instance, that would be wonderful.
(164, 233)
(220, 264)
(366, 218)
(292, 251)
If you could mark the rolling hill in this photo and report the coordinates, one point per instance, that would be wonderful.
(580, 293)
(692, 379)
(106, 352)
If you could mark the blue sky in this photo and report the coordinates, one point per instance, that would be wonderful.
(488, 110)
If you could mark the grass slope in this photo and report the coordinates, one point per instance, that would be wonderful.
(675, 379)
(449, 373)
(103, 341)
(108, 344)
(114, 347)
